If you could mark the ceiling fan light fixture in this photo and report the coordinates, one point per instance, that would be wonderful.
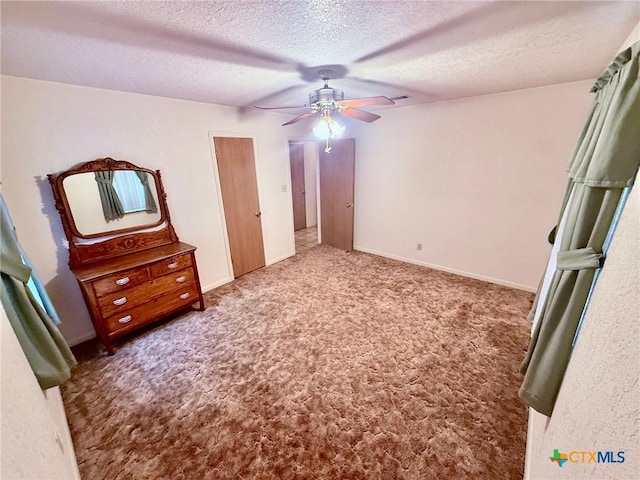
(329, 102)
(328, 128)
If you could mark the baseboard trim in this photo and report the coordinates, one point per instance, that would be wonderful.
(462, 273)
(217, 284)
(280, 258)
(81, 338)
(89, 335)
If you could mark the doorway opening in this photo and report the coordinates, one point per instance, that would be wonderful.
(306, 238)
(303, 158)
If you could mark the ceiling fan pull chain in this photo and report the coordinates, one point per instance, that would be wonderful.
(327, 148)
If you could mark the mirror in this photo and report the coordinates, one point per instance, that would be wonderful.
(138, 199)
(109, 197)
(111, 208)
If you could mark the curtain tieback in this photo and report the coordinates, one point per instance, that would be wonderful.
(579, 259)
(11, 267)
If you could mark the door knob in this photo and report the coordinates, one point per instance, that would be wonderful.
(349, 205)
(257, 214)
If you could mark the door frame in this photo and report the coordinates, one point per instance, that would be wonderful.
(216, 176)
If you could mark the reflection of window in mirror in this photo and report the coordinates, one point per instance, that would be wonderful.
(130, 191)
(133, 191)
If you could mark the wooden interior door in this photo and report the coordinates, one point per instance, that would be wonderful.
(296, 158)
(238, 184)
(337, 172)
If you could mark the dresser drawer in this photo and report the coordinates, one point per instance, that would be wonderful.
(120, 281)
(117, 302)
(170, 265)
(132, 318)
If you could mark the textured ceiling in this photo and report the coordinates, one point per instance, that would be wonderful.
(243, 53)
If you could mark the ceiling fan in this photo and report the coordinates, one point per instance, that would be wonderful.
(326, 101)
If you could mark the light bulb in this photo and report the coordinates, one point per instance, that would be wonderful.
(337, 130)
(322, 130)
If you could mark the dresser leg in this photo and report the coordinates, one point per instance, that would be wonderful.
(201, 301)
(108, 346)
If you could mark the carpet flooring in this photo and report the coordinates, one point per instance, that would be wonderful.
(328, 365)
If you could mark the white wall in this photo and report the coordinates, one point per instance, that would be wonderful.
(598, 406)
(455, 176)
(477, 181)
(48, 127)
(35, 442)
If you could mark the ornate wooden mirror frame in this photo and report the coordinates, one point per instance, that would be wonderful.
(85, 249)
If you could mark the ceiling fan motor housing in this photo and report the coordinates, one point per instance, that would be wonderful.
(325, 96)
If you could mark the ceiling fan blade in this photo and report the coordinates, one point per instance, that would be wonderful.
(442, 29)
(360, 114)
(301, 117)
(429, 96)
(367, 102)
(274, 97)
(279, 108)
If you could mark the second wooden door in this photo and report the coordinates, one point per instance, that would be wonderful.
(238, 184)
(337, 172)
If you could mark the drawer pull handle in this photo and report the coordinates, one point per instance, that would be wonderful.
(184, 296)
(126, 319)
(122, 281)
(120, 301)
(172, 265)
(181, 279)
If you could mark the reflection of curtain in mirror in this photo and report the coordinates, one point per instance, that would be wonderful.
(111, 205)
(150, 203)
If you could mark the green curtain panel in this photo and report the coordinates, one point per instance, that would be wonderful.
(605, 162)
(111, 205)
(45, 348)
(150, 203)
(37, 288)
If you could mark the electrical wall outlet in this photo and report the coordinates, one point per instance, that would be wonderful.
(419, 247)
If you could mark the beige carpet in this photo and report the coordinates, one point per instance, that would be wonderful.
(328, 365)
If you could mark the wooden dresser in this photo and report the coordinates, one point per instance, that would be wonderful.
(127, 292)
(129, 277)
